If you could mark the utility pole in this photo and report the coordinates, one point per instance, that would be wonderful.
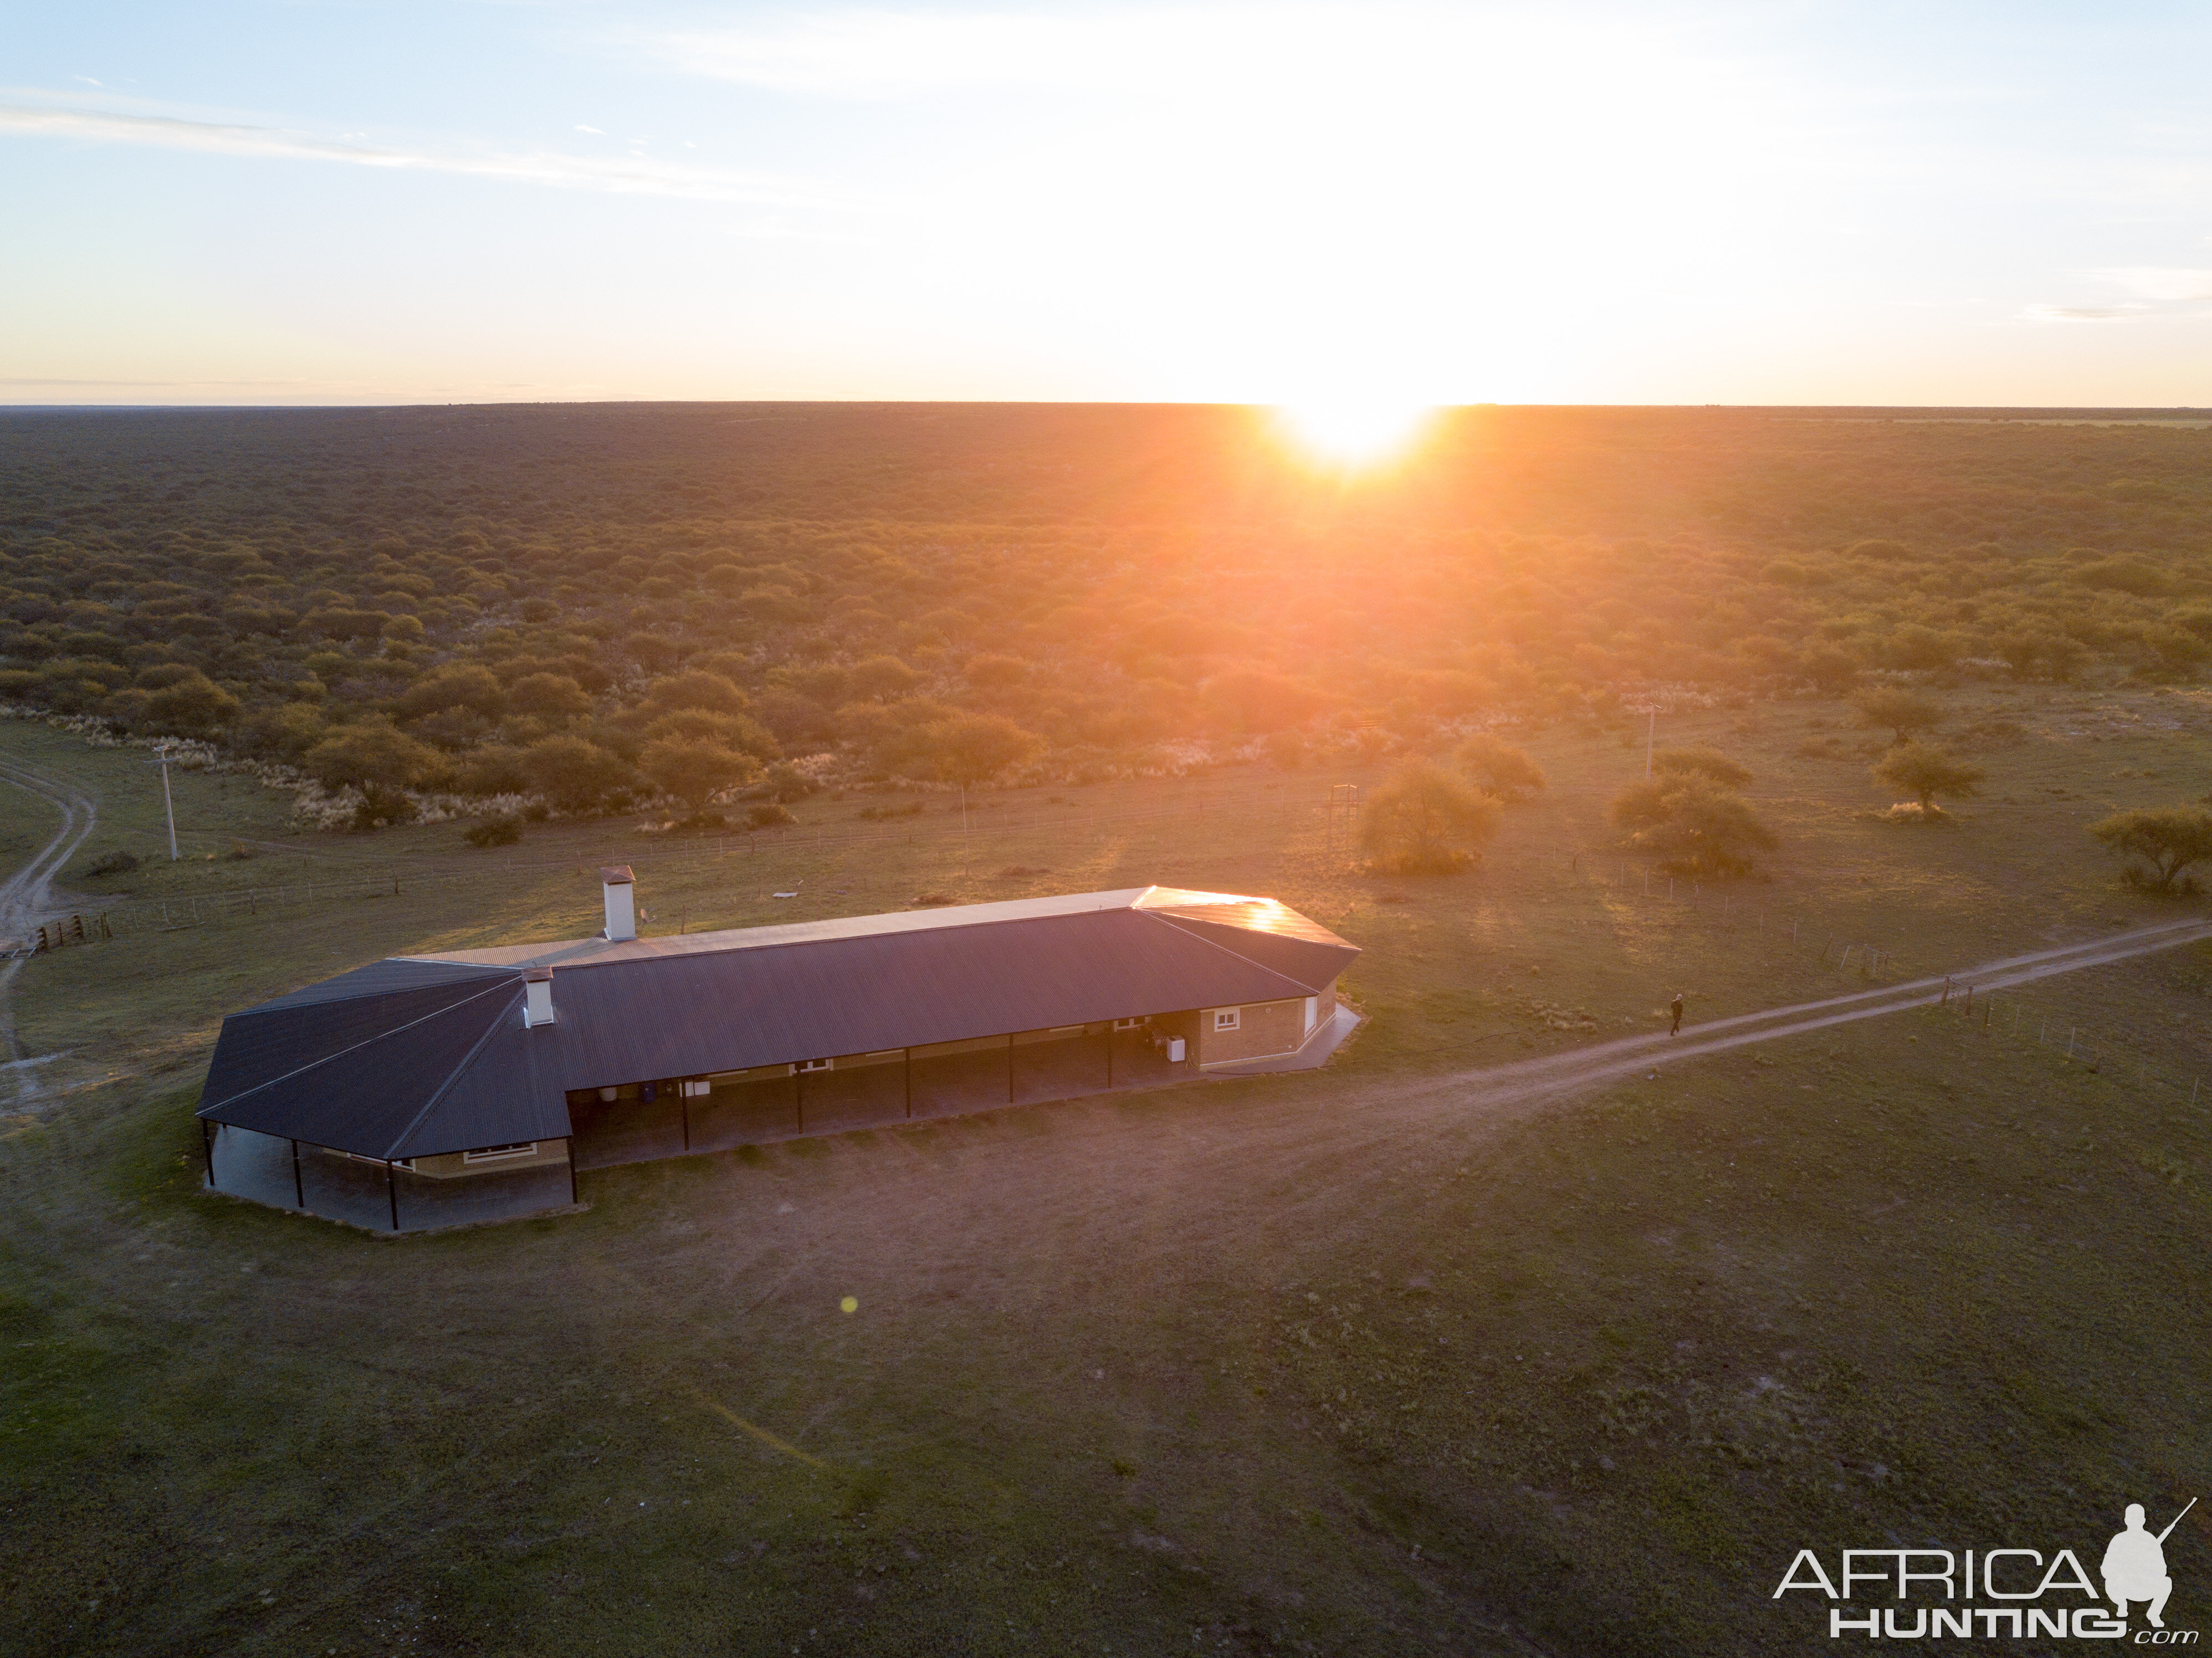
(1651, 731)
(168, 805)
(963, 831)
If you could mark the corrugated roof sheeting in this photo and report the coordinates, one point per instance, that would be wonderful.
(307, 1079)
(748, 1007)
(413, 1057)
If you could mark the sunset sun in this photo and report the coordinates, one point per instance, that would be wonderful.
(1353, 431)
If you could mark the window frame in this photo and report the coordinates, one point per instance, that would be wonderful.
(1228, 1018)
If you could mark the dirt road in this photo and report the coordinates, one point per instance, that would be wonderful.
(27, 896)
(1532, 1080)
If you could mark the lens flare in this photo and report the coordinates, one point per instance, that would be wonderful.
(1354, 431)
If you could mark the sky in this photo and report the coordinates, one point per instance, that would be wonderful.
(1371, 205)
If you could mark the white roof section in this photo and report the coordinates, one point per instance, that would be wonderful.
(591, 952)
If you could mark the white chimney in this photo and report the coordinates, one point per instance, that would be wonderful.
(619, 885)
(538, 997)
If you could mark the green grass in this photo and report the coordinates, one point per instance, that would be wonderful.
(1333, 1361)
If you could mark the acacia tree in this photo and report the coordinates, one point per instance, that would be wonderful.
(1903, 712)
(2168, 838)
(1500, 768)
(697, 769)
(1693, 824)
(1710, 763)
(369, 753)
(1925, 772)
(1424, 820)
(969, 749)
(572, 771)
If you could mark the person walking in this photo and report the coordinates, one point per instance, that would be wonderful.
(1675, 1008)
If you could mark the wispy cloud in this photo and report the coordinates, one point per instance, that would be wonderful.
(623, 176)
(2138, 290)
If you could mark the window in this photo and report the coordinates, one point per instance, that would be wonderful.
(814, 1065)
(1226, 1019)
(1129, 1024)
(501, 1153)
(695, 1088)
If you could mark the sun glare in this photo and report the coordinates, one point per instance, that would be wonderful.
(1351, 432)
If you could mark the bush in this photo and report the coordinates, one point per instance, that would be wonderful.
(1500, 768)
(370, 755)
(1424, 820)
(574, 773)
(111, 863)
(785, 781)
(1710, 763)
(2168, 838)
(500, 831)
(1694, 825)
(766, 814)
(695, 771)
(1925, 772)
(1902, 711)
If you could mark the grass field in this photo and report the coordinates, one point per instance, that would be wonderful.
(1327, 1363)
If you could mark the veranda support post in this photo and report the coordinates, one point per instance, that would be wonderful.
(299, 1186)
(391, 1190)
(207, 1150)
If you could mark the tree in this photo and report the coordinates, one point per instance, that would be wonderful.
(694, 770)
(571, 772)
(2168, 838)
(1925, 772)
(883, 679)
(1254, 700)
(1424, 820)
(192, 705)
(370, 755)
(1903, 711)
(735, 731)
(548, 695)
(1831, 668)
(1499, 767)
(1695, 826)
(1709, 763)
(696, 688)
(969, 749)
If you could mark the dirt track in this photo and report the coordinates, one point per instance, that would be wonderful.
(27, 896)
(1532, 1080)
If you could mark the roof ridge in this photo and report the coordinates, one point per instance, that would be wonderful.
(794, 944)
(297, 1071)
(445, 1087)
(1215, 943)
(474, 970)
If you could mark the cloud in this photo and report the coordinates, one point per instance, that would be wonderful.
(596, 132)
(2168, 284)
(2082, 313)
(618, 177)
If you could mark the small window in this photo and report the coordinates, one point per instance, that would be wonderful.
(695, 1088)
(1226, 1019)
(814, 1065)
(1129, 1024)
(501, 1153)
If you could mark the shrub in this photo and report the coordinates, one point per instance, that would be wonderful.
(501, 831)
(574, 773)
(1694, 825)
(111, 863)
(1903, 712)
(974, 748)
(1703, 762)
(785, 781)
(1925, 772)
(1424, 820)
(2168, 838)
(1499, 767)
(766, 814)
(370, 755)
(695, 770)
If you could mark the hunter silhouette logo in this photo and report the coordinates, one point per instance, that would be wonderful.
(2029, 1594)
(2135, 1565)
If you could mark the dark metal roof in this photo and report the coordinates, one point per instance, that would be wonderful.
(412, 1058)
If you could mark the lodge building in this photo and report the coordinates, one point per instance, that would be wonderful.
(425, 1092)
